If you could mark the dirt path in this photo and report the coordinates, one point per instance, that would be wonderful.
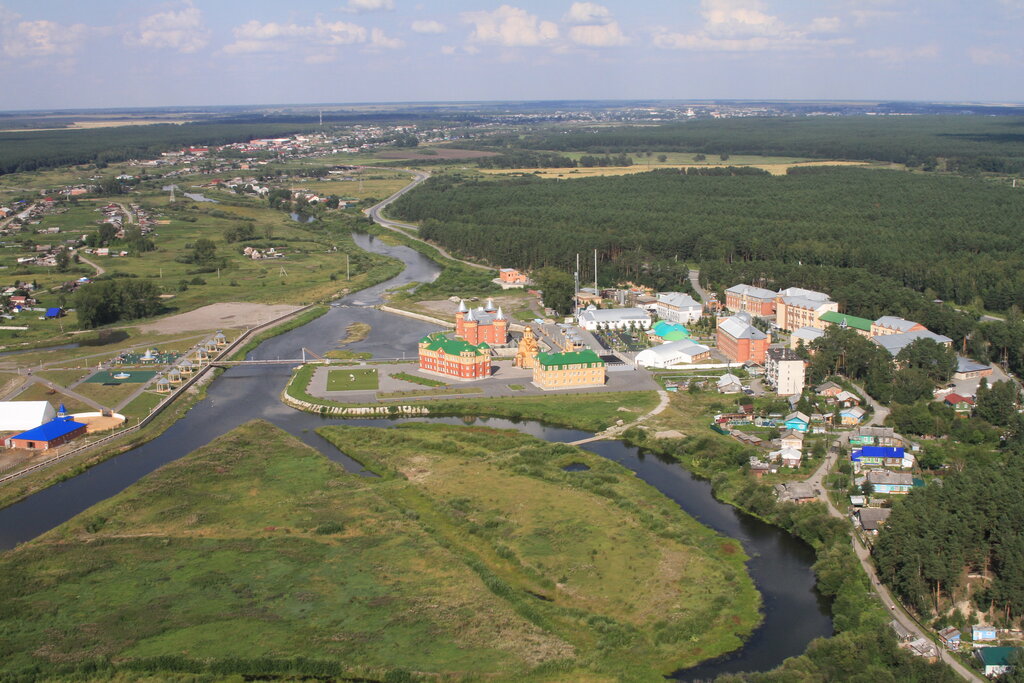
(99, 269)
(616, 430)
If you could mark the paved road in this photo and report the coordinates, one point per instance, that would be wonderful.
(695, 281)
(864, 555)
(374, 212)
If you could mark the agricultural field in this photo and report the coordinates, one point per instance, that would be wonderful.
(352, 380)
(257, 551)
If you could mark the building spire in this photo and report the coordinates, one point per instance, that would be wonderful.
(462, 306)
(500, 316)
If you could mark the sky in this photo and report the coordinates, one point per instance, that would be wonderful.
(138, 53)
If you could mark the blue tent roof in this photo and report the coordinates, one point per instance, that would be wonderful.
(54, 429)
(52, 312)
(888, 452)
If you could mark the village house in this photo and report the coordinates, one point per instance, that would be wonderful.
(677, 307)
(884, 481)
(996, 661)
(796, 307)
(880, 456)
(789, 457)
(729, 384)
(792, 439)
(454, 357)
(569, 370)
(980, 633)
(753, 300)
(784, 371)
(740, 341)
(950, 637)
(963, 405)
(872, 519)
(798, 422)
(798, 492)
(482, 324)
(849, 417)
(512, 276)
(875, 436)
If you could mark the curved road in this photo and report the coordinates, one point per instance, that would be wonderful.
(694, 276)
(374, 212)
(896, 609)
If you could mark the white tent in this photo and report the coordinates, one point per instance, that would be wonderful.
(18, 416)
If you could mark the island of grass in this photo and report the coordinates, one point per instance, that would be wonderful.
(352, 380)
(473, 555)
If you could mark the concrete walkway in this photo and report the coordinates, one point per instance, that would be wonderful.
(694, 276)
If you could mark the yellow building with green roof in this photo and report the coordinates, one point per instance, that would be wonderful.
(569, 370)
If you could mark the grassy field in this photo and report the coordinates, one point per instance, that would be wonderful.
(256, 555)
(143, 404)
(108, 396)
(352, 380)
(38, 392)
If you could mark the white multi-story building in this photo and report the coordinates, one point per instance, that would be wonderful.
(676, 307)
(615, 318)
(784, 371)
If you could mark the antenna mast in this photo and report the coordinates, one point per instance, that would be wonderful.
(596, 290)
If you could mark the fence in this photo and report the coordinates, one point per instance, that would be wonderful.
(160, 407)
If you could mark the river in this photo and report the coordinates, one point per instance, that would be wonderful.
(780, 564)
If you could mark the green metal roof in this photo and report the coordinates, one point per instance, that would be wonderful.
(849, 320)
(569, 358)
(996, 656)
(453, 347)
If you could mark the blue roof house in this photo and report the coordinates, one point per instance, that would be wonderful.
(874, 456)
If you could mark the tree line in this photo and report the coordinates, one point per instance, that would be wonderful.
(899, 227)
(954, 143)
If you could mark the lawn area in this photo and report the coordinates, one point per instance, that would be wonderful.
(256, 555)
(592, 412)
(352, 380)
(38, 392)
(143, 404)
(108, 396)
(63, 377)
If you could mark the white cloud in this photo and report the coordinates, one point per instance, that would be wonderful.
(255, 36)
(895, 55)
(606, 35)
(428, 26)
(360, 6)
(182, 30)
(378, 39)
(989, 56)
(39, 38)
(510, 27)
(587, 13)
(743, 25)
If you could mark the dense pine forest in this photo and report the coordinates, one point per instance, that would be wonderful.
(956, 238)
(973, 523)
(956, 143)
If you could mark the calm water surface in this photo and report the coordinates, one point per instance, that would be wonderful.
(780, 564)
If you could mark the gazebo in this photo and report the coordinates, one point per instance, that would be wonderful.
(174, 376)
(219, 339)
(163, 386)
(186, 367)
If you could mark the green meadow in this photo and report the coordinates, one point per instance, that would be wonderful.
(473, 555)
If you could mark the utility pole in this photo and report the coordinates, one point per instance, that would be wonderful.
(576, 286)
(596, 290)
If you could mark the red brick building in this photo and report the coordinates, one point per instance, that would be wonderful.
(512, 276)
(454, 357)
(740, 341)
(483, 325)
(754, 300)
